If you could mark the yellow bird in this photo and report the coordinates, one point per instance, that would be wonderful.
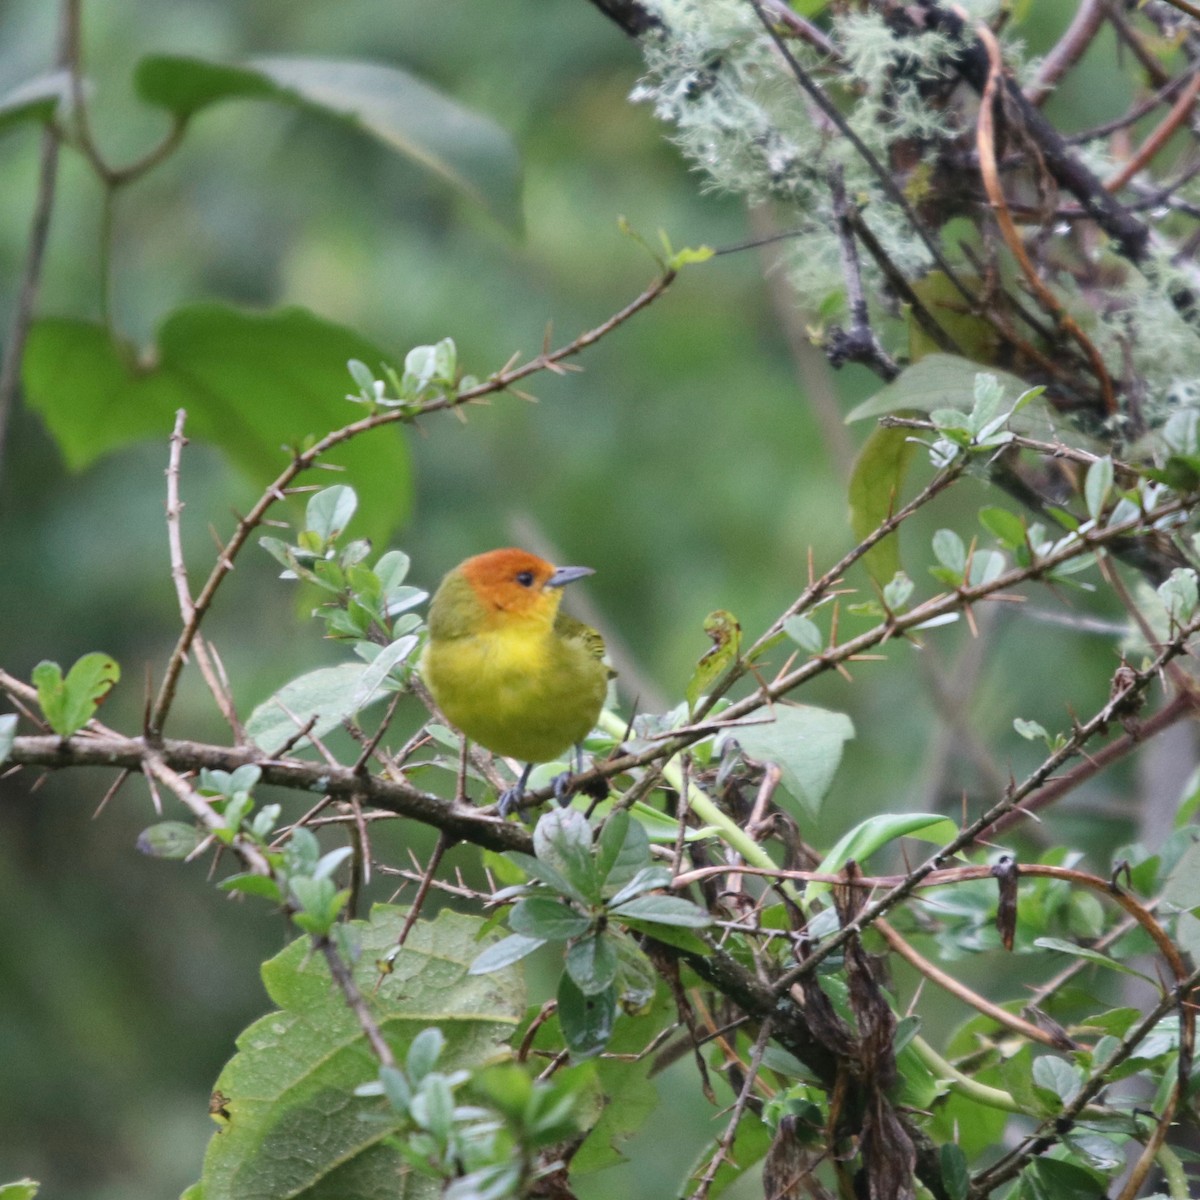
(508, 668)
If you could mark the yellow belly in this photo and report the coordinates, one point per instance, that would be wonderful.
(524, 694)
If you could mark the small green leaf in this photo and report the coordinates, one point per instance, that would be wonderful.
(805, 633)
(896, 594)
(169, 839)
(329, 512)
(621, 851)
(875, 485)
(20, 1189)
(504, 953)
(955, 1174)
(1097, 486)
(1057, 1076)
(424, 1052)
(645, 880)
(562, 839)
(543, 919)
(1031, 731)
(586, 1021)
(949, 550)
(253, 885)
(663, 910)
(1178, 595)
(8, 733)
(592, 963)
(69, 704)
(1004, 525)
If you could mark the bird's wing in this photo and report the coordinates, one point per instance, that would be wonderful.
(568, 627)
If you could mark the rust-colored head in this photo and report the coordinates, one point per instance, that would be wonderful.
(516, 581)
(497, 587)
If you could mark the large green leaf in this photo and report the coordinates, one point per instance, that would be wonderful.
(804, 742)
(252, 383)
(948, 381)
(875, 487)
(469, 151)
(295, 1127)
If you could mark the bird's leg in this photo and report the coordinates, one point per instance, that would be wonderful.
(511, 797)
(563, 788)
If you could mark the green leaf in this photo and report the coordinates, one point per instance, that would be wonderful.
(1089, 955)
(331, 694)
(645, 880)
(1178, 594)
(592, 963)
(546, 920)
(875, 485)
(723, 630)
(870, 835)
(8, 733)
(955, 1175)
(562, 839)
(937, 381)
(805, 633)
(469, 151)
(1004, 525)
(169, 839)
(806, 744)
(96, 395)
(1097, 486)
(20, 1189)
(504, 953)
(622, 850)
(586, 1021)
(69, 704)
(663, 910)
(329, 511)
(949, 550)
(1060, 1180)
(1056, 1076)
(36, 99)
(295, 1125)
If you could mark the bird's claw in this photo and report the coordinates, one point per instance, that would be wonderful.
(563, 788)
(510, 801)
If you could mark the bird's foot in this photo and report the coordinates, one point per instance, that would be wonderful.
(564, 788)
(510, 801)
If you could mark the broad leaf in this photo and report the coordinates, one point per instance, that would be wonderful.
(804, 742)
(252, 384)
(330, 694)
(69, 704)
(875, 485)
(586, 1021)
(469, 151)
(295, 1127)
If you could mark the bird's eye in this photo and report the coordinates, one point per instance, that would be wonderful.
(525, 578)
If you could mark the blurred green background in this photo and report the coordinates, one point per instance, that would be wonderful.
(689, 464)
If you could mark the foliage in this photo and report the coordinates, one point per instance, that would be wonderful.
(685, 905)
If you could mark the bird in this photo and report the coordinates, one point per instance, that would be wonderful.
(508, 668)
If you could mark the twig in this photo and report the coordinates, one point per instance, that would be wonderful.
(859, 344)
(216, 685)
(1012, 239)
(735, 1118)
(355, 1001)
(27, 289)
(1180, 111)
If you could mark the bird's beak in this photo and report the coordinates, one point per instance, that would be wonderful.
(565, 575)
